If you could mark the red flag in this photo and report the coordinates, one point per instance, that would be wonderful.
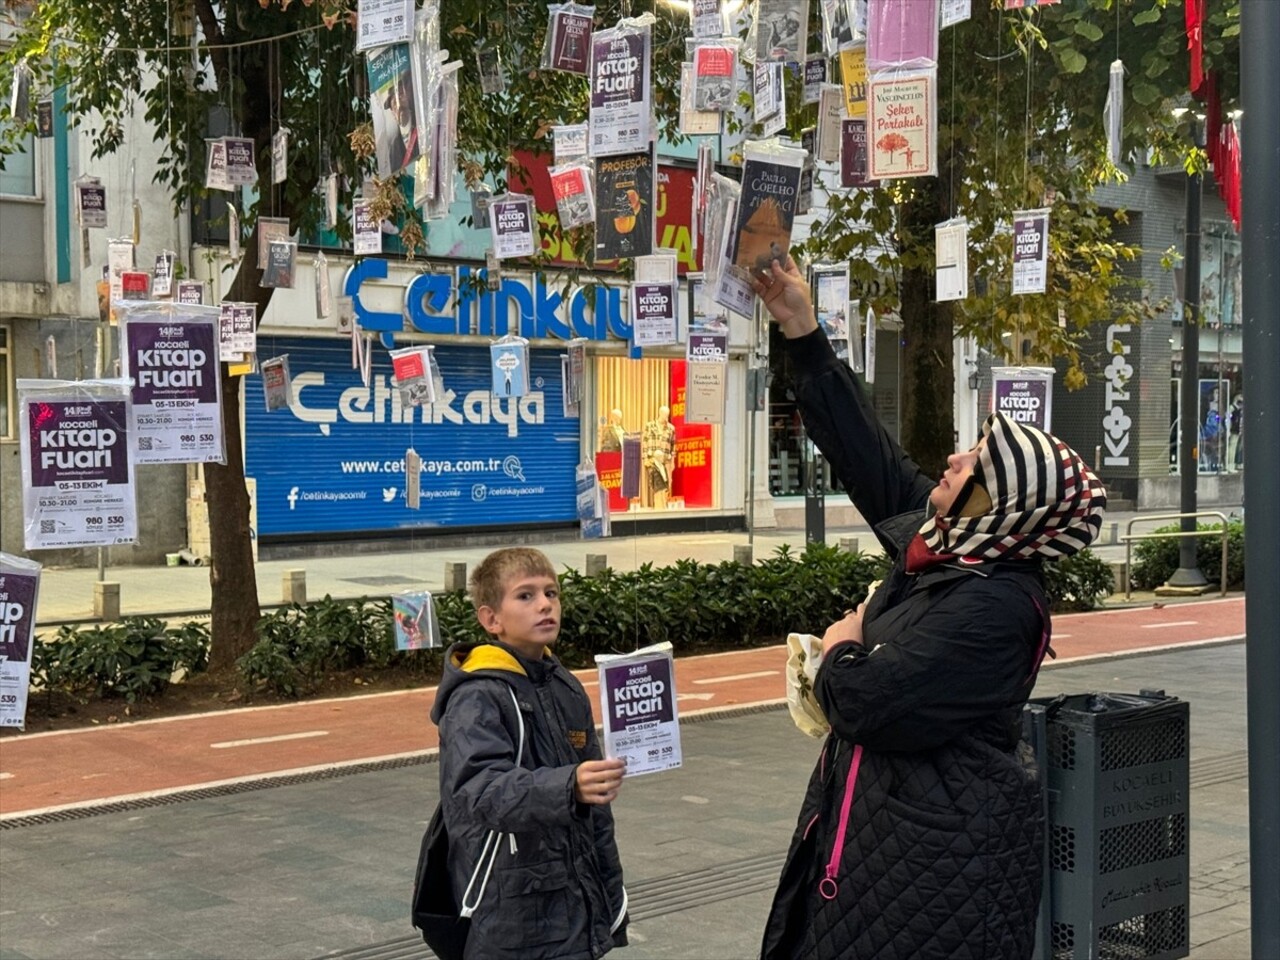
(1194, 13)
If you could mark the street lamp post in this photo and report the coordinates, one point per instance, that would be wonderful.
(1188, 578)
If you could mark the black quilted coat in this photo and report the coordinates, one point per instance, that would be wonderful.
(921, 830)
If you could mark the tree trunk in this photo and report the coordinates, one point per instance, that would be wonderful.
(233, 580)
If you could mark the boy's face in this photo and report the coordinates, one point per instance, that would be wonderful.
(528, 618)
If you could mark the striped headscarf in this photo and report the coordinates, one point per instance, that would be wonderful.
(1044, 501)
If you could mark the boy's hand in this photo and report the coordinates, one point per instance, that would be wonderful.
(598, 781)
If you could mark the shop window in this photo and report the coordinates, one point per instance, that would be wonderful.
(680, 466)
(18, 175)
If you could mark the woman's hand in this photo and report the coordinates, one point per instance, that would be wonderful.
(848, 630)
(786, 296)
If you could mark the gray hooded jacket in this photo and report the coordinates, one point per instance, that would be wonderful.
(555, 889)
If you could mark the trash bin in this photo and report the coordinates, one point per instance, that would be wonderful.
(1117, 782)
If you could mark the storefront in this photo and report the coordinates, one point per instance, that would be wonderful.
(331, 465)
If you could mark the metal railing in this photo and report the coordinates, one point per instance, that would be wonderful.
(1129, 538)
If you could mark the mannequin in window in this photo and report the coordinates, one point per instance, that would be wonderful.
(611, 436)
(658, 449)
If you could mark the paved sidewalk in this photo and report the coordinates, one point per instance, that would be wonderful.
(66, 593)
(320, 865)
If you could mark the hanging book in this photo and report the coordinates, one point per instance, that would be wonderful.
(831, 107)
(853, 77)
(493, 78)
(391, 104)
(781, 30)
(277, 387)
(902, 124)
(902, 33)
(270, 230)
(853, 154)
(417, 627)
(324, 295)
(411, 375)
(509, 362)
(955, 11)
(624, 206)
(767, 207)
(694, 122)
(575, 205)
(714, 68)
(280, 261)
(951, 246)
(280, 156)
(568, 38)
(837, 28)
(569, 142)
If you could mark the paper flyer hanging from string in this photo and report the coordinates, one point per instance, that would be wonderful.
(621, 104)
(1030, 251)
(171, 353)
(951, 259)
(77, 464)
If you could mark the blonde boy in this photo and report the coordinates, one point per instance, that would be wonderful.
(519, 760)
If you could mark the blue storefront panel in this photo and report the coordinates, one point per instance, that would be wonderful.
(333, 463)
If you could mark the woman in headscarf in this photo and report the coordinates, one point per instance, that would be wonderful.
(921, 831)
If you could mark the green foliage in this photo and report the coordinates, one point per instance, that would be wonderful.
(298, 644)
(1156, 560)
(1079, 582)
(133, 659)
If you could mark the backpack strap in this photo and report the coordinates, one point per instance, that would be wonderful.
(1042, 647)
(493, 839)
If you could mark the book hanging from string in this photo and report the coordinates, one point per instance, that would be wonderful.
(270, 230)
(509, 365)
(951, 258)
(853, 154)
(324, 294)
(781, 30)
(694, 122)
(568, 44)
(902, 124)
(714, 73)
(831, 111)
(569, 142)
(277, 386)
(281, 257)
(572, 186)
(411, 375)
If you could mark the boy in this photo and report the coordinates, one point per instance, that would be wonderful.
(551, 886)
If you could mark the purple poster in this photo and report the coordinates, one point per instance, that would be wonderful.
(619, 119)
(1023, 395)
(653, 314)
(902, 33)
(177, 414)
(77, 465)
(511, 226)
(638, 701)
(19, 587)
(707, 348)
(1030, 251)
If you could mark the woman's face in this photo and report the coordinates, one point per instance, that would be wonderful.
(959, 470)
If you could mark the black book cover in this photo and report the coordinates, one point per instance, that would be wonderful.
(624, 206)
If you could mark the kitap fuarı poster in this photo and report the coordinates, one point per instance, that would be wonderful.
(77, 464)
(19, 590)
(171, 353)
(638, 705)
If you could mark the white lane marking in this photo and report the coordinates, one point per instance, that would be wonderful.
(254, 741)
(1171, 623)
(695, 696)
(738, 676)
(1062, 636)
(6, 776)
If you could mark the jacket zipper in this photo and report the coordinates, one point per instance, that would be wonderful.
(828, 886)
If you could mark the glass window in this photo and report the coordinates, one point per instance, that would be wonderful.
(18, 177)
(642, 401)
(6, 386)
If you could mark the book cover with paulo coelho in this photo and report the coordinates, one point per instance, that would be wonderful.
(901, 125)
(765, 213)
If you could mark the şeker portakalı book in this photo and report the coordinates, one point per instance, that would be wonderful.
(766, 211)
(624, 206)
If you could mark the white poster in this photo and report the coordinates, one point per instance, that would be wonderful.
(511, 225)
(955, 11)
(638, 704)
(705, 392)
(237, 331)
(215, 168)
(280, 155)
(77, 464)
(162, 275)
(653, 314)
(951, 258)
(621, 105)
(380, 22)
(119, 261)
(1030, 251)
(171, 352)
(19, 591)
(366, 232)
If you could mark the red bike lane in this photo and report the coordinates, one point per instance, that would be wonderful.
(45, 772)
